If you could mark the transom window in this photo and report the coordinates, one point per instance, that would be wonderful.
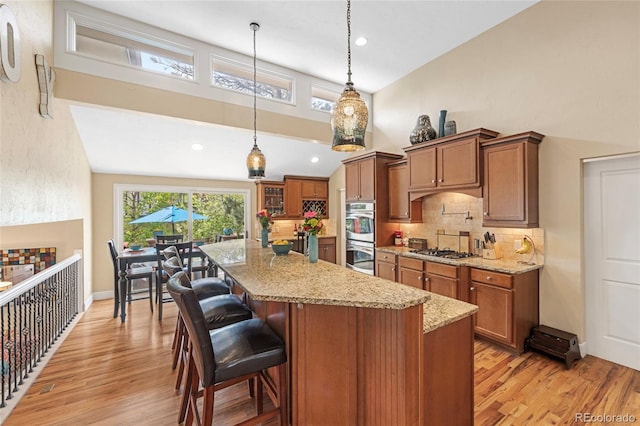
(112, 44)
(238, 76)
(323, 99)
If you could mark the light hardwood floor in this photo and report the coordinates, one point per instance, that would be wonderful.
(108, 373)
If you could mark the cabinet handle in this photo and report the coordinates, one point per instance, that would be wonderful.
(426, 279)
(393, 269)
(406, 213)
(433, 181)
(472, 289)
(489, 278)
(440, 180)
(486, 213)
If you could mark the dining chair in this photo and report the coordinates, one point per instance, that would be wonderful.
(166, 239)
(220, 358)
(184, 251)
(138, 272)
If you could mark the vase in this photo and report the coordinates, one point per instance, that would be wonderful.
(313, 248)
(443, 119)
(265, 237)
(423, 131)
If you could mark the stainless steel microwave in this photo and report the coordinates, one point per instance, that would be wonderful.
(360, 221)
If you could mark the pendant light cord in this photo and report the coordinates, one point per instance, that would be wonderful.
(349, 82)
(255, 28)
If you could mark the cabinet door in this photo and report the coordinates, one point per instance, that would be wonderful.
(442, 285)
(327, 249)
(386, 270)
(422, 168)
(293, 199)
(313, 189)
(411, 277)
(367, 180)
(398, 192)
(458, 164)
(504, 183)
(494, 318)
(352, 181)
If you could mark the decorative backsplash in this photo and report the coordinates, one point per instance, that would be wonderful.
(464, 213)
(40, 258)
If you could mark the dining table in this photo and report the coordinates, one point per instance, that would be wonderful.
(127, 257)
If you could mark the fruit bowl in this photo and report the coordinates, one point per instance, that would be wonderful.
(281, 249)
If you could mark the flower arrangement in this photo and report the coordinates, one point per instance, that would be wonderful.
(312, 222)
(265, 218)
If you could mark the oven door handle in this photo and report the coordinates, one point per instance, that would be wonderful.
(360, 248)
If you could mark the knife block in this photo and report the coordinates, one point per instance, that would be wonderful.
(492, 253)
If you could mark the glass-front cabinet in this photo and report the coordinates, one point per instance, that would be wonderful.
(271, 197)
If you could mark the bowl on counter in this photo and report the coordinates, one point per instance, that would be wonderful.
(281, 249)
(135, 247)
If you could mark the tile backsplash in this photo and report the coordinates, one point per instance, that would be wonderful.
(464, 213)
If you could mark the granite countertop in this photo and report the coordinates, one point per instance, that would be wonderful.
(292, 279)
(439, 311)
(498, 265)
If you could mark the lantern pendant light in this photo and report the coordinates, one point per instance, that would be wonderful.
(256, 161)
(350, 115)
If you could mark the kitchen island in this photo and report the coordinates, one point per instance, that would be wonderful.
(361, 349)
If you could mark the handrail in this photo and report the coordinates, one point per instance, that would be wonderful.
(33, 281)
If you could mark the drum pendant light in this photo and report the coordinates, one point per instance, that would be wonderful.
(350, 115)
(256, 161)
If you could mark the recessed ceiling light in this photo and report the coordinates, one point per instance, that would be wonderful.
(361, 41)
(197, 147)
(314, 159)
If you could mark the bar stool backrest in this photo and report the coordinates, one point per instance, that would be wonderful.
(196, 324)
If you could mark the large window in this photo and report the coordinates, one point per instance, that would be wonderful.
(199, 215)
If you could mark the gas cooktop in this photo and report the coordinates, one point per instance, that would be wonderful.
(446, 253)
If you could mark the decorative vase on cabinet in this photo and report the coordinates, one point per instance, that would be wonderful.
(313, 248)
(265, 237)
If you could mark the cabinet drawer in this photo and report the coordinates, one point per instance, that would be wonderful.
(383, 256)
(442, 269)
(493, 278)
(407, 262)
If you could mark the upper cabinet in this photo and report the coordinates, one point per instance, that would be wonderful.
(271, 197)
(401, 209)
(360, 182)
(510, 190)
(294, 196)
(451, 163)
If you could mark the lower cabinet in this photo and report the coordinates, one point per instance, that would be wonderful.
(441, 279)
(411, 272)
(507, 306)
(327, 249)
(386, 265)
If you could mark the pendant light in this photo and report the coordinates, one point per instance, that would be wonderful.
(350, 115)
(256, 162)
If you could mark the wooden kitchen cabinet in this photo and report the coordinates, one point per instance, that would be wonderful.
(411, 272)
(293, 198)
(401, 208)
(386, 265)
(360, 180)
(507, 306)
(327, 249)
(510, 190)
(441, 279)
(451, 163)
(313, 189)
(271, 197)
(366, 181)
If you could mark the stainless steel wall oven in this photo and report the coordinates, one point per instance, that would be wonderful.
(360, 233)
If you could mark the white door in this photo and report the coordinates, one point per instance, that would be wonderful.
(612, 259)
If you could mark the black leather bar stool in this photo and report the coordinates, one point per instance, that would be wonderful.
(227, 356)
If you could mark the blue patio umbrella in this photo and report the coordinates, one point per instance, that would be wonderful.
(170, 215)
